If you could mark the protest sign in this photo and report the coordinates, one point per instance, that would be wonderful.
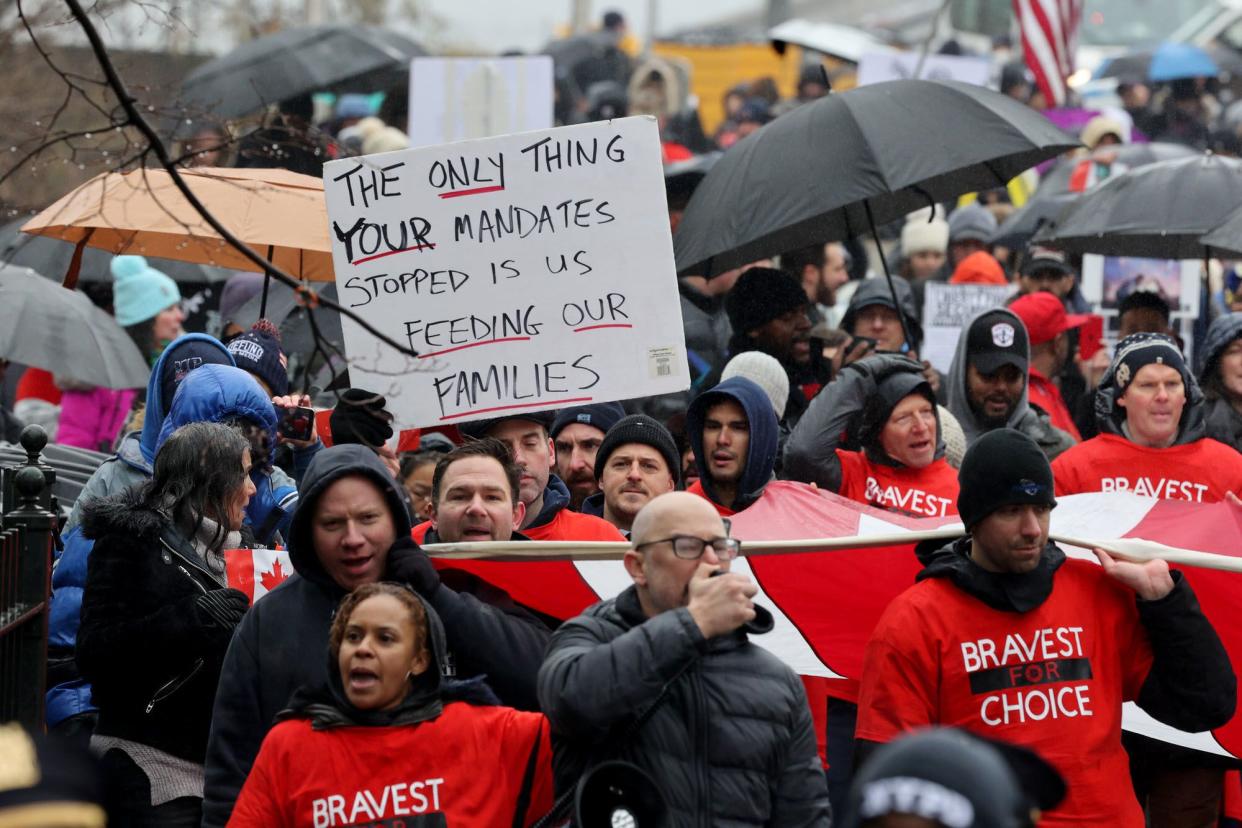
(947, 309)
(886, 65)
(457, 99)
(529, 272)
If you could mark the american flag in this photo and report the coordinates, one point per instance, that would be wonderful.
(1049, 39)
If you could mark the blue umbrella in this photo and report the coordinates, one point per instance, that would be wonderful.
(1169, 62)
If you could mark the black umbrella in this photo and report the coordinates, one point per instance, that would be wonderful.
(1030, 218)
(1159, 211)
(833, 168)
(1226, 238)
(296, 61)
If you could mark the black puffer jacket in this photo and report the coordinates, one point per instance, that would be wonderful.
(152, 657)
(279, 646)
(731, 743)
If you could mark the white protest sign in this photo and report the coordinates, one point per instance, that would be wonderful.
(877, 66)
(947, 309)
(456, 99)
(529, 272)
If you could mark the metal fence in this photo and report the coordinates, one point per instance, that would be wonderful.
(27, 530)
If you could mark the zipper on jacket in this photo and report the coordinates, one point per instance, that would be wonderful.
(184, 560)
(173, 685)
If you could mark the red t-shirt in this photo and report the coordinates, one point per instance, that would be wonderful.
(1052, 679)
(927, 492)
(467, 764)
(697, 488)
(1201, 471)
(1041, 391)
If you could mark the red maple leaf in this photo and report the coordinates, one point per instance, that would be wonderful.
(273, 579)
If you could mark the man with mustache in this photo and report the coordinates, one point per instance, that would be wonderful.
(733, 431)
(576, 434)
(544, 496)
(987, 383)
(636, 462)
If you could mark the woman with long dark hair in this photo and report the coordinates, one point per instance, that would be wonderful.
(387, 739)
(157, 617)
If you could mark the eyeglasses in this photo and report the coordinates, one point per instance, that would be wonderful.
(690, 548)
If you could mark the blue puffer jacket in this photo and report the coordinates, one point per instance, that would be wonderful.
(211, 393)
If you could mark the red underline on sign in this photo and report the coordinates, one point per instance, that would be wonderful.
(597, 327)
(475, 191)
(393, 253)
(475, 345)
(512, 407)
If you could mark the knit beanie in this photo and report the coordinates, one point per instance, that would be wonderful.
(971, 222)
(183, 356)
(1140, 349)
(258, 351)
(922, 236)
(1003, 467)
(639, 428)
(979, 268)
(140, 291)
(760, 295)
(360, 417)
(601, 415)
(765, 371)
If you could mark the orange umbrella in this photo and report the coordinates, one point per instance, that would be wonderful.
(281, 215)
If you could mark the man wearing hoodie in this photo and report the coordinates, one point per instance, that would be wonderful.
(733, 433)
(1220, 376)
(1006, 637)
(988, 382)
(543, 494)
(1152, 440)
(872, 314)
(351, 528)
(884, 405)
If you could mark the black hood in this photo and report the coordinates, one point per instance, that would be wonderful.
(327, 706)
(1109, 417)
(876, 292)
(329, 466)
(1001, 591)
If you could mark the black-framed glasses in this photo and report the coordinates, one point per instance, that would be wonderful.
(690, 547)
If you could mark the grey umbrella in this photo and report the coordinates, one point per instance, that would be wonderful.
(1159, 211)
(1227, 237)
(296, 61)
(59, 330)
(828, 169)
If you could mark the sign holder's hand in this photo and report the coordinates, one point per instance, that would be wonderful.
(1150, 579)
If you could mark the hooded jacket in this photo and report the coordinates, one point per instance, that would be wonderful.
(557, 522)
(1195, 467)
(729, 739)
(323, 747)
(1031, 422)
(1221, 420)
(152, 657)
(876, 292)
(761, 447)
(279, 645)
(998, 654)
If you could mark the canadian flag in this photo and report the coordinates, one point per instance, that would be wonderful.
(257, 572)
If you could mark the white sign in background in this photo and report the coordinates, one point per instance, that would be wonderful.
(947, 309)
(529, 272)
(456, 99)
(878, 66)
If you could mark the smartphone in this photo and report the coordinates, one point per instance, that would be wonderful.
(296, 422)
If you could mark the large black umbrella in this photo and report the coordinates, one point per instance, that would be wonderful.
(296, 61)
(832, 168)
(1159, 211)
(1226, 238)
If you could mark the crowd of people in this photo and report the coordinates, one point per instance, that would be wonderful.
(377, 685)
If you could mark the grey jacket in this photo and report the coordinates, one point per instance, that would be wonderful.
(1030, 421)
(1222, 420)
(731, 743)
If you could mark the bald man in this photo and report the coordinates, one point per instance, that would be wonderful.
(673, 648)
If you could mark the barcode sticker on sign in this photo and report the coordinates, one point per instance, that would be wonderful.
(660, 361)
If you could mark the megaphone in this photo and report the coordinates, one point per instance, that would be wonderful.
(618, 794)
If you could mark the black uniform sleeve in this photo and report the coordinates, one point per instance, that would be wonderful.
(1191, 684)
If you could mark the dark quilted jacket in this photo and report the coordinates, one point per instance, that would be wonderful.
(730, 745)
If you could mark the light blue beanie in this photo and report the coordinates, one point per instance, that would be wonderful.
(140, 291)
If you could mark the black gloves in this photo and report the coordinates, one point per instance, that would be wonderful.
(878, 366)
(222, 608)
(409, 564)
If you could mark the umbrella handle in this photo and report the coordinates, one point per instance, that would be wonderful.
(892, 288)
(75, 263)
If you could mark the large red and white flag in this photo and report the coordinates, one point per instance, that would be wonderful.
(826, 604)
(1049, 39)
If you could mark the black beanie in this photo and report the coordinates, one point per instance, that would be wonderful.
(360, 417)
(1002, 468)
(760, 295)
(639, 428)
(1140, 349)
